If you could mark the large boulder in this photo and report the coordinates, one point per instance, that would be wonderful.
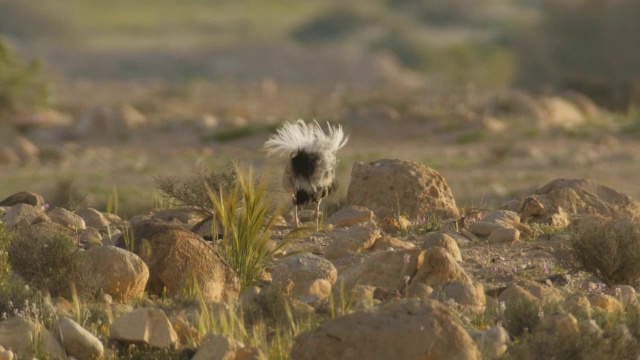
(392, 186)
(409, 329)
(312, 276)
(118, 272)
(24, 215)
(178, 258)
(574, 198)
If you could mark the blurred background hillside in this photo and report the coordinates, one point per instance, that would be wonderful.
(537, 44)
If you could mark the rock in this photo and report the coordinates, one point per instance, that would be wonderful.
(467, 294)
(590, 327)
(94, 219)
(504, 235)
(177, 216)
(419, 291)
(409, 329)
(561, 112)
(515, 295)
(66, 218)
(106, 121)
(606, 303)
(557, 326)
(216, 347)
(579, 306)
(498, 219)
(389, 270)
(16, 334)
(6, 355)
(178, 257)
(439, 268)
(24, 197)
(383, 185)
(624, 293)
(394, 224)
(444, 241)
(118, 272)
(515, 105)
(148, 326)
(388, 242)
(312, 276)
(492, 342)
(77, 341)
(350, 215)
(577, 197)
(356, 239)
(21, 216)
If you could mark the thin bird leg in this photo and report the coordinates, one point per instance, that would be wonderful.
(295, 211)
(318, 214)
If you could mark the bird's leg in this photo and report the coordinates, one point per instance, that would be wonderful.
(318, 214)
(295, 211)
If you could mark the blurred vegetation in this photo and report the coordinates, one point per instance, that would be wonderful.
(539, 44)
(22, 86)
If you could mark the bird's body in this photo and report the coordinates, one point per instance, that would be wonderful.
(310, 173)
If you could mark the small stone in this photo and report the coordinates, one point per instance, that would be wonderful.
(66, 218)
(148, 326)
(24, 197)
(605, 302)
(350, 215)
(504, 235)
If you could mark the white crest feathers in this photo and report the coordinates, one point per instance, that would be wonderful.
(296, 136)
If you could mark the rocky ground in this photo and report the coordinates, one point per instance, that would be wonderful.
(448, 239)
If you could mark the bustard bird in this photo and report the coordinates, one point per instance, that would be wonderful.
(310, 171)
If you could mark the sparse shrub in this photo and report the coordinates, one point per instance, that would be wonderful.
(22, 87)
(195, 191)
(5, 269)
(47, 260)
(610, 251)
(521, 317)
(245, 221)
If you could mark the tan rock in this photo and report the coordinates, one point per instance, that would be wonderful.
(24, 215)
(250, 353)
(444, 241)
(493, 341)
(15, 335)
(467, 294)
(624, 293)
(118, 272)
(504, 235)
(177, 258)
(93, 218)
(404, 187)
(356, 239)
(561, 112)
(389, 270)
(605, 302)
(408, 329)
(515, 294)
(419, 291)
(186, 332)
(66, 218)
(350, 215)
(439, 268)
(148, 326)
(77, 341)
(388, 242)
(23, 197)
(579, 306)
(312, 276)
(557, 326)
(578, 197)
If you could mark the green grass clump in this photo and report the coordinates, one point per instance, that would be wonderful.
(244, 221)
